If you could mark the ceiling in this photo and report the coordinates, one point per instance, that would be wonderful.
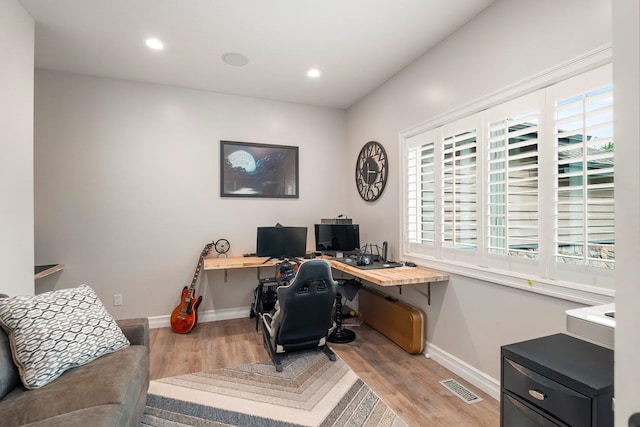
(357, 44)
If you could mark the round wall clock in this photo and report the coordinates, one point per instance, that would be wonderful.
(222, 246)
(372, 170)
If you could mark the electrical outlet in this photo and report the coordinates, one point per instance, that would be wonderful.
(117, 299)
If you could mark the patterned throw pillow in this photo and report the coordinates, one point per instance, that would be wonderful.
(56, 331)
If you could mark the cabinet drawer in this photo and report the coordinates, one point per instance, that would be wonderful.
(516, 413)
(564, 403)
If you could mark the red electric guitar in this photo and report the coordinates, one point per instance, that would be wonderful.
(185, 316)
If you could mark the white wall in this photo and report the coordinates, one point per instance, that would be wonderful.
(16, 149)
(626, 74)
(511, 40)
(127, 186)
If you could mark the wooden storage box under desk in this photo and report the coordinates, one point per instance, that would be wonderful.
(402, 323)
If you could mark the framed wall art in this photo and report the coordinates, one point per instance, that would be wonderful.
(249, 169)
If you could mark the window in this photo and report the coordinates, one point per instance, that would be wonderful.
(525, 186)
(584, 196)
(458, 195)
(512, 178)
(421, 196)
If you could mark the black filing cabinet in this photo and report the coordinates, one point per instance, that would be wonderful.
(558, 380)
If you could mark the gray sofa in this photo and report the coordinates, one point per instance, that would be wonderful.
(109, 391)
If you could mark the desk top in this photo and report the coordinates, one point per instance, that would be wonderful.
(392, 276)
(215, 263)
(382, 277)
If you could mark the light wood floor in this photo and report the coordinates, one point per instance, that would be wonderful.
(407, 383)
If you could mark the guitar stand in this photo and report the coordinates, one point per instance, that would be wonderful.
(340, 335)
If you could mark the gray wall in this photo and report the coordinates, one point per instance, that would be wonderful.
(16, 149)
(468, 319)
(127, 186)
(101, 132)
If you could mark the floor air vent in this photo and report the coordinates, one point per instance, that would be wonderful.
(461, 391)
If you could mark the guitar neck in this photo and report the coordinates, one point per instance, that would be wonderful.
(204, 252)
(195, 276)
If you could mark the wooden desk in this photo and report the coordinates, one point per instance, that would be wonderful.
(397, 276)
(214, 263)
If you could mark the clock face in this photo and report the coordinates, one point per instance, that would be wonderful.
(222, 247)
(371, 171)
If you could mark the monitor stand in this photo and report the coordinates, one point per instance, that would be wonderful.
(340, 335)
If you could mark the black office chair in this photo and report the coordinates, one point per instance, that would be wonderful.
(303, 315)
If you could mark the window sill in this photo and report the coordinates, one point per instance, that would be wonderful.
(583, 294)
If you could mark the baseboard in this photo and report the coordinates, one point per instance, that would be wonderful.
(477, 378)
(203, 316)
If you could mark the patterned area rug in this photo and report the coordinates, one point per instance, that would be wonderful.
(311, 391)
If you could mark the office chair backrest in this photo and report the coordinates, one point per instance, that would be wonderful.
(306, 305)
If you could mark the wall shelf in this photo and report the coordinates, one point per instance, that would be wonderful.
(45, 270)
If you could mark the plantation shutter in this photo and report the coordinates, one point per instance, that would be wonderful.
(512, 178)
(421, 193)
(459, 188)
(583, 124)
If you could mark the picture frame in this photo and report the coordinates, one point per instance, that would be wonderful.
(249, 169)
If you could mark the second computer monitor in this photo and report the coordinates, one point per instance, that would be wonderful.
(331, 238)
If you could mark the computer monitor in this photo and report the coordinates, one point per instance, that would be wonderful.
(281, 242)
(337, 237)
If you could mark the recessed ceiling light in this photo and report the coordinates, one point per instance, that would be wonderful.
(154, 44)
(314, 73)
(235, 59)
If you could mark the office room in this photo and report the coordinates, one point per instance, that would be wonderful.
(115, 172)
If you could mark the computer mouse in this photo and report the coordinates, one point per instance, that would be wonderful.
(410, 264)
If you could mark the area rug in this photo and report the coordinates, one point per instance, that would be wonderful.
(310, 391)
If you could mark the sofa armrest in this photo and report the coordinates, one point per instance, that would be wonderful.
(136, 330)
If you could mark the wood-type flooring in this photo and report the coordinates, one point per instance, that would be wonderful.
(407, 383)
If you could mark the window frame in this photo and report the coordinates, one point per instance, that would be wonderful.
(576, 283)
